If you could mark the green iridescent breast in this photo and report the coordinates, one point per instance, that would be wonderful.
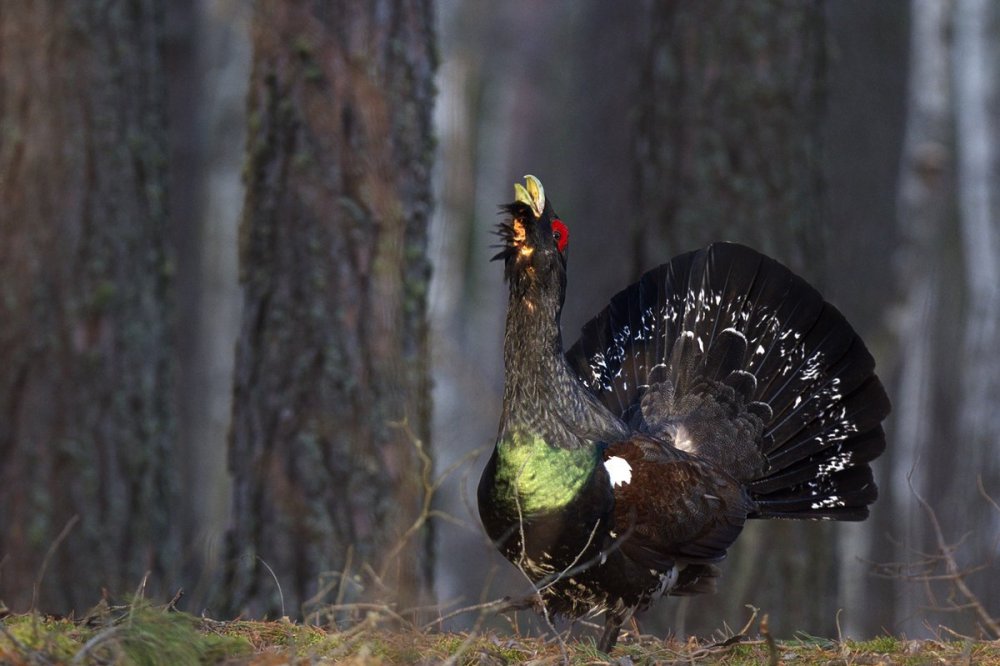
(538, 478)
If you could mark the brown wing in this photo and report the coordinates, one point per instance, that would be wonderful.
(674, 507)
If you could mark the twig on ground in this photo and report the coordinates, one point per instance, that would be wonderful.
(772, 647)
(488, 605)
(140, 591)
(281, 595)
(94, 641)
(172, 606)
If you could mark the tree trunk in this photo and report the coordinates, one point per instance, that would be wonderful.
(208, 71)
(729, 118)
(86, 423)
(863, 137)
(729, 149)
(976, 71)
(925, 260)
(331, 401)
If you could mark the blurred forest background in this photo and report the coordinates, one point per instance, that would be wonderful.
(248, 321)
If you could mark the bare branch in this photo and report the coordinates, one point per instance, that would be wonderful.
(958, 580)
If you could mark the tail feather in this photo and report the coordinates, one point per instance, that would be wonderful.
(858, 450)
(844, 495)
(728, 314)
(725, 356)
(820, 428)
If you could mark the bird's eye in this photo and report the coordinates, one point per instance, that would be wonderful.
(560, 234)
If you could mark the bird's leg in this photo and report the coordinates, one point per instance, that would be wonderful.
(612, 625)
(636, 629)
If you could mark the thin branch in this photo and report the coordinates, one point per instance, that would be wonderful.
(94, 641)
(70, 524)
(986, 495)
(281, 595)
(952, 567)
(487, 605)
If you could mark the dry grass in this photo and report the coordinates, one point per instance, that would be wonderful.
(148, 635)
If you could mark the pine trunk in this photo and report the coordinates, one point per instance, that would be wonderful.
(728, 136)
(85, 418)
(331, 402)
(729, 149)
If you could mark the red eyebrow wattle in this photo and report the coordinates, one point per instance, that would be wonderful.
(561, 229)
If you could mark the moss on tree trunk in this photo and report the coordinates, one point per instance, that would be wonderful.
(331, 387)
(85, 418)
(729, 121)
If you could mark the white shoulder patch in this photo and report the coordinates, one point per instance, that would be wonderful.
(619, 470)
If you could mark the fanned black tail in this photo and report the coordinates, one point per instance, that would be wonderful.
(729, 314)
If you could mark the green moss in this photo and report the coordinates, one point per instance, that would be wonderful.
(354, 209)
(58, 639)
(302, 46)
(254, 122)
(143, 635)
(150, 636)
(302, 159)
(147, 635)
(313, 73)
(880, 645)
(102, 296)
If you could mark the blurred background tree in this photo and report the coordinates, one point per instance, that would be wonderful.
(332, 392)
(729, 147)
(87, 429)
(856, 141)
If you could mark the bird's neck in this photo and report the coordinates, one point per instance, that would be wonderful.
(532, 347)
(543, 399)
(536, 373)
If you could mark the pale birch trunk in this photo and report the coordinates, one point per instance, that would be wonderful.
(976, 68)
(923, 201)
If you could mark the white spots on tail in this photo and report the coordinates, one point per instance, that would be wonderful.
(831, 502)
(836, 463)
(733, 331)
(619, 470)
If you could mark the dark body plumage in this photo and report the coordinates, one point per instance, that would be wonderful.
(717, 388)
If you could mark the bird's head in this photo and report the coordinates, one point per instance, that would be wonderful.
(534, 241)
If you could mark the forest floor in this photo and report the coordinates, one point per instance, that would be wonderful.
(148, 635)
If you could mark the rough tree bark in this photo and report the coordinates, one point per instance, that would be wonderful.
(729, 118)
(331, 387)
(729, 149)
(85, 418)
